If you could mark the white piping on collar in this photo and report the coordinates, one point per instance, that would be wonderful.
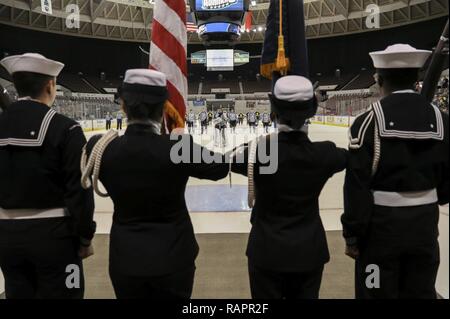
(385, 132)
(28, 98)
(32, 142)
(404, 91)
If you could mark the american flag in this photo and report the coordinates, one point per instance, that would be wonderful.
(168, 51)
(190, 25)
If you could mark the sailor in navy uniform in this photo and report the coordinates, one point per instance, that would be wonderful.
(287, 247)
(152, 245)
(46, 217)
(398, 174)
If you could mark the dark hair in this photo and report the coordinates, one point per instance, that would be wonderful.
(30, 84)
(137, 108)
(293, 114)
(292, 120)
(398, 78)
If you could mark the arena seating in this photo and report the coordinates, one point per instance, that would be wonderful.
(210, 84)
(84, 107)
(193, 86)
(75, 83)
(112, 82)
(363, 81)
(348, 104)
(326, 80)
(262, 85)
(341, 104)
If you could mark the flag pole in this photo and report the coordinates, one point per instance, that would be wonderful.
(435, 69)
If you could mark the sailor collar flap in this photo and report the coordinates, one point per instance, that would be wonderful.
(25, 124)
(408, 116)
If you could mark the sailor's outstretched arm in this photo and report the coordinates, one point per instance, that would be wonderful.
(238, 159)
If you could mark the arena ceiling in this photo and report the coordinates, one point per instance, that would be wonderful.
(130, 20)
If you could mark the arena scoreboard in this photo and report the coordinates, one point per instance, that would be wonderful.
(219, 21)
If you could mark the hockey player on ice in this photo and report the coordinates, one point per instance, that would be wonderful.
(266, 122)
(190, 121)
(251, 120)
(233, 121)
(203, 117)
(220, 124)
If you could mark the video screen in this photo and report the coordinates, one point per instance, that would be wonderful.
(219, 5)
(220, 60)
(219, 27)
(241, 57)
(198, 57)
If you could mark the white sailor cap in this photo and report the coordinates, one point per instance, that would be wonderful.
(293, 88)
(145, 77)
(293, 99)
(32, 62)
(151, 84)
(400, 56)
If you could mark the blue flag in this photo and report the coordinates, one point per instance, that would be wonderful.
(286, 52)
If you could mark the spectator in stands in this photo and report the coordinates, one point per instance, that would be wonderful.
(119, 120)
(108, 119)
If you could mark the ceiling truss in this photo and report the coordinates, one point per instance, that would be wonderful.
(130, 20)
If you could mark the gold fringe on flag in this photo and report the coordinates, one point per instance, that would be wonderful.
(173, 117)
(281, 64)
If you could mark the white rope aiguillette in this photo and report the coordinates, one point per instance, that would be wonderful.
(91, 167)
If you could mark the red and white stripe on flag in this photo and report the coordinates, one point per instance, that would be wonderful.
(191, 27)
(168, 49)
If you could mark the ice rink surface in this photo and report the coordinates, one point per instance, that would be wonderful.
(217, 208)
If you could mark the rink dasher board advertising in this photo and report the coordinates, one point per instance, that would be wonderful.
(345, 121)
